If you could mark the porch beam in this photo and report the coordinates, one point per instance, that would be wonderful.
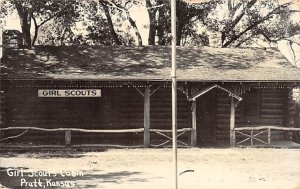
(203, 91)
(232, 123)
(147, 117)
(194, 124)
(138, 90)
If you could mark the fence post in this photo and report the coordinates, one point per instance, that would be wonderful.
(252, 137)
(269, 136)
(68, 138)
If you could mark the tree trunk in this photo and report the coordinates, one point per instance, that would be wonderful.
(137, 33)
(25, 26)
(131, 21)
(180, 28)
(161, 29)
(113, 33)
(152, 28)
(152, 22)
(25, 22)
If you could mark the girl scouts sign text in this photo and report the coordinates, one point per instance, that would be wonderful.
(70, 93)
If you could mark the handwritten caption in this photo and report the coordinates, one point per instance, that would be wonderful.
(45, 179)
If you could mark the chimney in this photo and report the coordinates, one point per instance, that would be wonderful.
(215, 39)
(12, 39)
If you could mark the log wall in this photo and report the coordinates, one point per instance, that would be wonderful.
(117, 108)
(161, 110)
(272, 111)
(123, 108)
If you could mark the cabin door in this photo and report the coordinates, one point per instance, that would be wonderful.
(206, 116)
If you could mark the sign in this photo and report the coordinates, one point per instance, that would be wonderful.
(69, 93)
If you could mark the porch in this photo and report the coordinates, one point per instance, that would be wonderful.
(208, 113)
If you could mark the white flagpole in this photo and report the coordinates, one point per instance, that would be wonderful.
(174, 91)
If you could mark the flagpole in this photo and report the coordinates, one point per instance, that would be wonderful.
(174, 91)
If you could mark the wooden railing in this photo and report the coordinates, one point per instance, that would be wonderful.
(68, 132)
(169, 139)
(258, 131)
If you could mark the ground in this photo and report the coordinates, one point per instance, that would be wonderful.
(152, 169)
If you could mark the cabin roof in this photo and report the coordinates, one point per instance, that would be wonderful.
(146, 63)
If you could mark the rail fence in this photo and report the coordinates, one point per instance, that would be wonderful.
(68, 134)
(253, 133)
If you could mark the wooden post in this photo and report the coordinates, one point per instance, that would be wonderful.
(251, 138)
(232, 123)
(269, 136)
(147, 118)
(194, 125)
(68, 138)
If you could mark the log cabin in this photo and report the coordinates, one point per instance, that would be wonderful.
(88, 92)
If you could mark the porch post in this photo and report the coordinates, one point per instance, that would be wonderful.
(232, 123)
(147, 118)
(68, 138)
(194, 125)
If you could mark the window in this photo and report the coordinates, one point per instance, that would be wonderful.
(252, 103)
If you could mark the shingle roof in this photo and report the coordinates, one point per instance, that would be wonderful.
(146, 63)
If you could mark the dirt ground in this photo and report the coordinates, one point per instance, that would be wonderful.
(152, 169)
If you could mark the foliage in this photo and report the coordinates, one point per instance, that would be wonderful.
(242, 21)
(110, 22)
(188, 16)
(41, 12)
(107, 23)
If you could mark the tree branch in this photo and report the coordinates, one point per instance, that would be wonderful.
(240, 16)
(131, 21)
(268, 16)
(46, 20)
(36, 28)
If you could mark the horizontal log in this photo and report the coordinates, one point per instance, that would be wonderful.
(263, 121)
(75, 129)
(273, 116)
(180, 115)
(167, 98)
(266, 127)
(223, 109)
(272, 105)
(223, 115)
(273, 92)
(170, 131)
(107, 145)
(75, 146)
(163, 123)
(65, 120)
(167, 106)
(163, 108)
(223, 104)
(278, 101)
(272, 111)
